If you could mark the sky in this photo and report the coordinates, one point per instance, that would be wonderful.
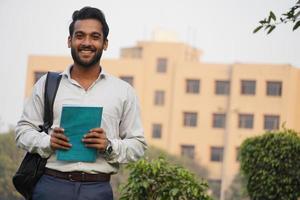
(221, 29)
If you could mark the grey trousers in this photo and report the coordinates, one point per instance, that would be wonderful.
(50, 188)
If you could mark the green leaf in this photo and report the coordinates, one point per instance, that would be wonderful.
(271, 29)
(267, 27)
(174, 191)
(297, 15)
(257, 29)
(296, 25)
(272, 16)
(263, 21)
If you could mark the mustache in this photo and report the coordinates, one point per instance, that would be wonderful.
(87, 48)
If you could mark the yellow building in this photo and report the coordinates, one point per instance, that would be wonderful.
(200, 110)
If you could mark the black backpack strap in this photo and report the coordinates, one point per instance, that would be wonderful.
(51, 86)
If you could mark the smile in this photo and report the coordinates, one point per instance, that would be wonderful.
(86, 52)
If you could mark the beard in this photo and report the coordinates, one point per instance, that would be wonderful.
(86, 64)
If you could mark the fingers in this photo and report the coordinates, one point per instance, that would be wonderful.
(98, 130)
(59, 144)
(60, 136)
(96, 138)
(98, 143)
(58, 130)
(95, 135)
(99, 146)
(58, 140)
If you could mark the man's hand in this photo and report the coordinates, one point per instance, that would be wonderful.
(59, 140)
(96, 138)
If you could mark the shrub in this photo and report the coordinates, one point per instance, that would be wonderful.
(271, 165)
(158, 179)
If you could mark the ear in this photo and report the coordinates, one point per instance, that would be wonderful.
(69, 41)
(105, 45)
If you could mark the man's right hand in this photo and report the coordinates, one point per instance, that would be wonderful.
(58, 140)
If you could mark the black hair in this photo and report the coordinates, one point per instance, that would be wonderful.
(89, 13)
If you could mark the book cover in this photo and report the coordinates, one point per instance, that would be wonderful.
(77, 120)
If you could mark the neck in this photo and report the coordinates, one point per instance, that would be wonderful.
(91, 73)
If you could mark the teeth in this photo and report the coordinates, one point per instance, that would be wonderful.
(86, 52)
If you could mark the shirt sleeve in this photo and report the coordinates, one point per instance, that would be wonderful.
(28, 135)
(132, 144)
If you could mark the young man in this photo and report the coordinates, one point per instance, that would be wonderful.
(120, 138)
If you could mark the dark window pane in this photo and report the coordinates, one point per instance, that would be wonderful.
(188, 151)
(222, 87)
(246, 121)
(274, 88)
(192, 86)
(159, 98)
(190, 119)
(156, 130)
(219, 120)
(161, 65)
(216, 154)
(38, 75)
(248, 87)
(271, 122)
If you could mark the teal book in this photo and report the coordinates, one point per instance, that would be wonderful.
(77, 120)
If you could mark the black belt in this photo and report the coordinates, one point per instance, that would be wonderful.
(78, 176)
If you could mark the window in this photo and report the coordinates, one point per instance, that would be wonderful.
(246, 121)
(38, 75)
(248, 87)
(190, 119)
(274, 88)
(271, 122)
(215, 186)
(219, 120)
(128, 79)
(161, 65)
(216, 154)
(156, 130)
(192, 86)
(222, 87)
(159, 98)
(188, 151)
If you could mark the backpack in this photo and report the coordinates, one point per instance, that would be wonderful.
(33, 165)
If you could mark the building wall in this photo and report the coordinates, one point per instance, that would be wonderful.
(183, 62)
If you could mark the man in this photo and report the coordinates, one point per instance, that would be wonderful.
(120, 140)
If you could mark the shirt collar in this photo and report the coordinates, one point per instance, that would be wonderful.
(67, 73)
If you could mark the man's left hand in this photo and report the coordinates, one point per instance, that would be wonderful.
(96, 138)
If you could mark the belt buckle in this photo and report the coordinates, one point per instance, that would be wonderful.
(82, 176)
(70, 177)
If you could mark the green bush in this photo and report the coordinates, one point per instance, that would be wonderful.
(271, 165)
(10, 158)
(154, 153)
(159, 180)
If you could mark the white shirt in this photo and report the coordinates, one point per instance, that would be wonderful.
(120, 120)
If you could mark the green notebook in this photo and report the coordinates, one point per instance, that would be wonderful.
(77, 121)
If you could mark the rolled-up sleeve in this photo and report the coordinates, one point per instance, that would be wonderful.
(28, 135)
(132, 144)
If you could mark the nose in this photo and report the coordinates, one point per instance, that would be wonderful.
(86, 41)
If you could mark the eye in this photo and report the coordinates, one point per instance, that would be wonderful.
(96, 37)
(78, 35)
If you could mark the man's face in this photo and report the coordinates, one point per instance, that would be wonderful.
(87, 42)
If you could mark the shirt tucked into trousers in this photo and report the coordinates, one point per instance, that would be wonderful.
(51, 188)
(121, 121)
